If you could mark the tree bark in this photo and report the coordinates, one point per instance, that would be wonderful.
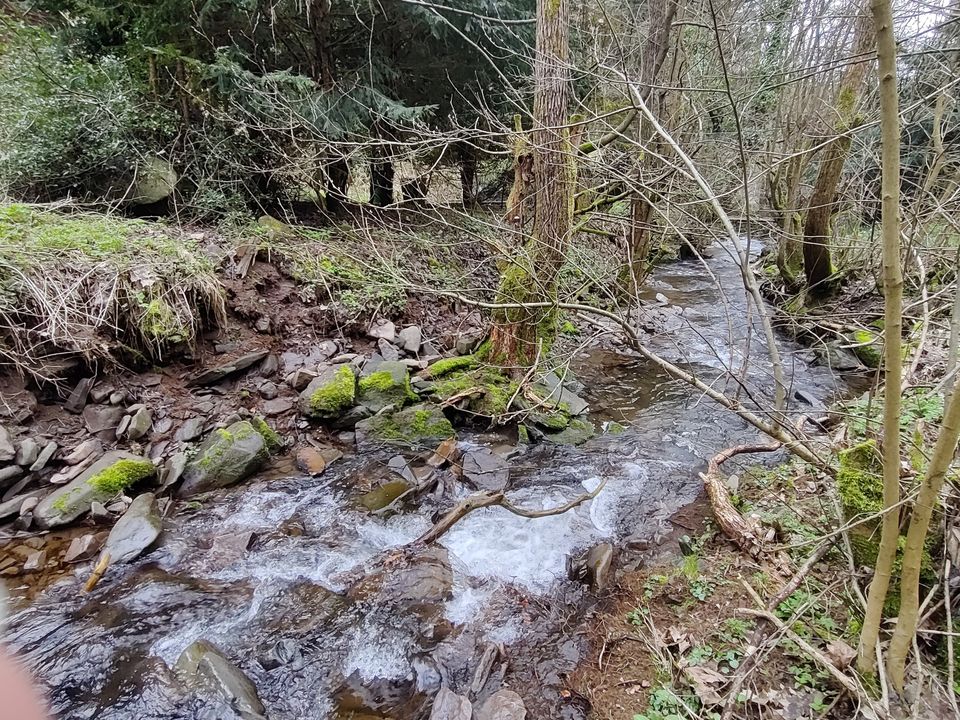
(468, 175)
(381, 179)
(520, 335)
(893, 302)
(817, 231)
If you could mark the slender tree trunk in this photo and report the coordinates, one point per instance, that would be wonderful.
(468, 175)
(817, 265)
(520, 335)
(893, 309)
(381, 178)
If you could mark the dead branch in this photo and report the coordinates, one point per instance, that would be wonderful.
(489, 499)
(742, 531)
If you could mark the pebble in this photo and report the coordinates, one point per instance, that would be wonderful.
(268, 390)
(117, 397)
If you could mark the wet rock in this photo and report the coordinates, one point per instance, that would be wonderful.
(383, 329)
(103, 420)
(78, 398)
(101, 482)
(84, 547)
(399, 465)
(140, 423)
(7, 451)
(232, 546)
(484, 470)
(216, 374)
(45, 456)
(9, 475)
(419, 582)
(389, 384)
(83, 451)
(331, 393)
(410, 339)
(268, 390)
(27, 452)
(277, 406)
(226, 457)
(383, 495)
(135, 531)
(447, 705)
(420, 427)
(809, 399)
(577, 432)
(283, 652)
(191, 429)
(836, 357)
(205, 668)
(447, 451)
(352, 416)
(311, 461)
(598, 564)
(554, 391)
(502, 705)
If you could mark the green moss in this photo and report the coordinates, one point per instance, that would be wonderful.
(412, 426)
(337, 395)
(452, 364)
(859, 479)
(568, 328)
(121, 475)
(868, 348)
(270, 436)
(495, 390)
(161, 323)
(383, 381)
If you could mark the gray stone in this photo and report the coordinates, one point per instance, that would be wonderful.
(173, 468)
(102, 420)
(216, 374)
(49, 450)
(383, 329)
(122, 427)
(278, 406)
(117, 397)
(352, 416)
(151, 379)
(101, 482)
(387, 351)
(101, 393)
(577, 432)
(410, 338)
(300, 378)
(10, 475)
(399, 465)
(467, 342)
(447, 705)
(135, 531)
(140, 423)
(191, 429)
(484, 470)
(83, 547)
(598, 564)
(162, 425)
(420, 427)
(268, 390)
(203, 667)
(836, 357)
(7, 451)
(269, 366)
(551, 389)
(502, 705)
(263, 325)
(371, 364)
(325, 350)
(27, 452)
(331, 393)
(69, 472)
(12, 506)
(83, 451)
(388, 385)
(226, 457)
(78, 398)
(344, 358)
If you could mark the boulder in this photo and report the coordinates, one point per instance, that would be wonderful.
(313, 461)
(836, 357)
(421, 427)
(154, 181)
(135, 531)
(331, 393)
(447, 705)
(389, 384)
(226, 457)
(203, 667)
(502, 705)
(7, 451)
(101, 482)
(410, 339)
(419, 583)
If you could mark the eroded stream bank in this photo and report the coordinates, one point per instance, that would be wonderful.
(268, 570)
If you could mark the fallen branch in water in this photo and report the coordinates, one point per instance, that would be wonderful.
(489, 499)
(743, 531)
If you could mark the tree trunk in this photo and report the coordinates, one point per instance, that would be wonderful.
(468, 175)
(381, 179)
(893, 310)
(521, 334)
(817, 265)
(337, 182)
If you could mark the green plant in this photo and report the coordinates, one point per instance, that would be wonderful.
(700, 654)
(702, 588)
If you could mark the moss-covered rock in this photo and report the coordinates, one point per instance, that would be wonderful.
(330, 394)
(493, 393)
(419, 426)
(577, 432)
(112, 474)
(226, 457)
(868, 347)
(270, 437)
(450, 365)
(389, 384)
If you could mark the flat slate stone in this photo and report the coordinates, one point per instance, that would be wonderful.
(135, 531)
(216, 374)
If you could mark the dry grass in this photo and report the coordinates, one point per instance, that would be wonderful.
(95, 288)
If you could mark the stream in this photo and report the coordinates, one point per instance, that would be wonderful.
(262, 570)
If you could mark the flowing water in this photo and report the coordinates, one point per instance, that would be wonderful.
(278, 611)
